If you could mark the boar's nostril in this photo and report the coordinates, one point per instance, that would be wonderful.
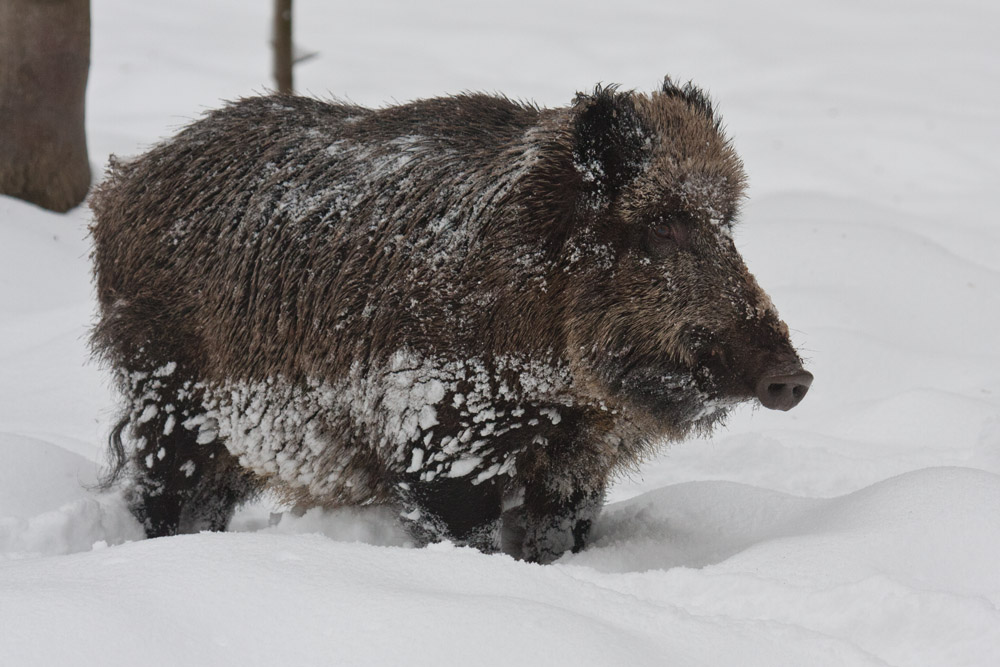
(783, 392)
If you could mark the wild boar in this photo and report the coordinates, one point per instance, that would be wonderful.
(457, 306)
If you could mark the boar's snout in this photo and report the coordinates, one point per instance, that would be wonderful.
(784, 388)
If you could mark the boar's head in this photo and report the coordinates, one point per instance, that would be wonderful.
(663, 317)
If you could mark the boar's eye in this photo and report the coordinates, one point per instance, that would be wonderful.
(664, 230)
(668, 232)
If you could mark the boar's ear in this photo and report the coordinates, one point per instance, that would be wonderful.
(608, 140)
(693, 95)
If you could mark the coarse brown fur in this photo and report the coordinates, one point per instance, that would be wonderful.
(440, 305)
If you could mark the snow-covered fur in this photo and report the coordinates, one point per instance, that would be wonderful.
(459, 306)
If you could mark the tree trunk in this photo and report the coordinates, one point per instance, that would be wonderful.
(44, 61)
(283, 46)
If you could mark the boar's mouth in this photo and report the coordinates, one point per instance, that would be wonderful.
(778, 381)
(701, 395)
(673, 394)
(767, 369)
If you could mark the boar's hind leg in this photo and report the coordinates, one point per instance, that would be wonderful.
(176, 483)
(453, 509)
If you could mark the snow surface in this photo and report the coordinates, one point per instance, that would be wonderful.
(862, 528)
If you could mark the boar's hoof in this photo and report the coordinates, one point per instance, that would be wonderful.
(783, 391)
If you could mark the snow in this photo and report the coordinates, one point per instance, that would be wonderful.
(861, 528)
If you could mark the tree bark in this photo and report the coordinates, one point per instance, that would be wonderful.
(44, 62)
(283, 46)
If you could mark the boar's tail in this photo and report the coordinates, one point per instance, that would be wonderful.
(116, 455)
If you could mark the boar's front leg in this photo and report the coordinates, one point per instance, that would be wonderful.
(455, 509)
(548, 524)
(564, 490)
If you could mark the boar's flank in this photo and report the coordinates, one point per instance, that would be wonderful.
(456, 306)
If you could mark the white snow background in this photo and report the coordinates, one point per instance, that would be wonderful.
(862, 528)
